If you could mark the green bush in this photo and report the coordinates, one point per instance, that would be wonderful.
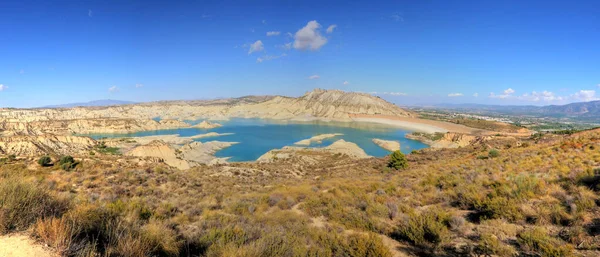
(67, 163)
(45, 161)
(66, 159)
(494, 153)
(398, 160)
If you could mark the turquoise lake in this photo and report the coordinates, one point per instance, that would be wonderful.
(258, 136)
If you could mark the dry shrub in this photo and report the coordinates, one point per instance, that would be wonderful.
(537, 241)
(490, 245)
(58, 233)
(426, 229)
(23, 203)
(160, 238)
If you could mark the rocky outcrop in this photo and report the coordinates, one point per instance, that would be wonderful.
(207, 125)
(449, 140)
(161, 150)
(317, 139)
(45, 144)
(387, 144)
(184, 157)
(87, 126)
(338, 147)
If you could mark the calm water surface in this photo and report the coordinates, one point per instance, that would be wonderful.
(258, 136)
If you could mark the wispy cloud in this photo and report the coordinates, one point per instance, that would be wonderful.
(331, 28)
(139, 85)
(397, 17)
(309, 37)
(393, 93)
(206, 16)
(286, 46)
(3, 87)
(385, 93)
(476, 95)
(113, 89)
(256, 47)
(22, 71)
(314, 77)
(585, 96)
(535, 96)
(90, 13)
(505, 94)
(264, 22)
(455, 94)
(346, 83)
(273, 33)
(269, 57)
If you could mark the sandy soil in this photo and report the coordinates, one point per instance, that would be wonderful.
(416, 124)
(19, 245)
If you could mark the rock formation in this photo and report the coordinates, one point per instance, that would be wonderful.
(207, 125)
(387, 144)
(45, 144)
(338, 147)
(316, 139)
(187, 156)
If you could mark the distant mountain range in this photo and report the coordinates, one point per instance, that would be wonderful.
(583, 111)
(105, 102)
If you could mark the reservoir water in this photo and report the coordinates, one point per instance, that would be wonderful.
(258, 136)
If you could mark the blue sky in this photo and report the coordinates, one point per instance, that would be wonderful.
(408, 52)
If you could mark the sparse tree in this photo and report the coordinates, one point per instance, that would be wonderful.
(398, 160)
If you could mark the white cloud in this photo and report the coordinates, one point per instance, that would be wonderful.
(273, 33)
(476, 95)
(309, 37)
(113, 89)
(139, 85)
(314, 77)
(269, 57)
(289, 34)
(287, 46)
(256, 47)
(90, 14)
(455, 94)
(346, 83)
(509, 91)
(585, 96)
(331, 28)
(3, 87)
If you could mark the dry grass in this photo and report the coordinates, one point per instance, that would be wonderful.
(542, 200)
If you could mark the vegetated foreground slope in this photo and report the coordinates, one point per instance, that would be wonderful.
(532, 198)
